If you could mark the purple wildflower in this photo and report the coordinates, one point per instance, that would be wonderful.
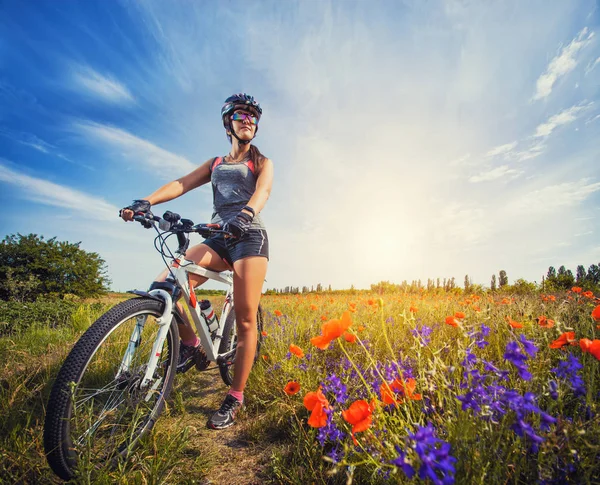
(436, 462)
(517, 357)
(568, 370)
(401, 462)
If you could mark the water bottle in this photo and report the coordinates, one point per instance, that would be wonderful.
(209, 315)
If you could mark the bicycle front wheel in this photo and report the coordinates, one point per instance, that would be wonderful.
(229, 342)
(96, 412)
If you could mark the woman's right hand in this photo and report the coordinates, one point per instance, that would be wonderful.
(139, 205)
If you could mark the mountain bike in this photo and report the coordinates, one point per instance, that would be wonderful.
(114, 383)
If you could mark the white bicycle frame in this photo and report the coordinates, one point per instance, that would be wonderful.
(181, 270)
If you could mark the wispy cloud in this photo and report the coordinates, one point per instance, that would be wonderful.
(554, 197)
(564, 117)
(590, 67)
(27, 139)
(501, 150)
(591, 120)
(49, 193)
(562, 64)
(142, 152)
(533, 151)
(495, 174)
(106, 87)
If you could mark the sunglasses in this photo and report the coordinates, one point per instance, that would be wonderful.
(243, 117)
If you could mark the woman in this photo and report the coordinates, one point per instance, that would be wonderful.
(241, 183)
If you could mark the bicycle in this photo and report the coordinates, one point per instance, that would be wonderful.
(114, 383)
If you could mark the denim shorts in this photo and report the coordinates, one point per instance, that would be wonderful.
(254, 243)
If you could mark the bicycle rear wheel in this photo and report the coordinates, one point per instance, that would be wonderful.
(92, 414)
(229, 342)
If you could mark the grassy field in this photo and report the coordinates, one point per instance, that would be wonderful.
(395, 388)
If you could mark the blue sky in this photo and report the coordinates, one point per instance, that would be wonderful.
(410, 140)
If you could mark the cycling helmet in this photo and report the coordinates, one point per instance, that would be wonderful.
(239, 101)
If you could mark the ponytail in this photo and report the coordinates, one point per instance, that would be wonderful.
(257, 157)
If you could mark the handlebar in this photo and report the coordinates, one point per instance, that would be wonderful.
(172, 222)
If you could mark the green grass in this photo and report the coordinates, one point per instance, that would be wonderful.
(485, 451)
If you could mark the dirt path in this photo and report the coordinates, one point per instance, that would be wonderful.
(233, 456)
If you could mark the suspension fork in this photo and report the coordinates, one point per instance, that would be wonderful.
(163, 322)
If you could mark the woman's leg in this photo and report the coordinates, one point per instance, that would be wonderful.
(248, 278)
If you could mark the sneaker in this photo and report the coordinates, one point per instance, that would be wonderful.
(187, 357)
(225, 416)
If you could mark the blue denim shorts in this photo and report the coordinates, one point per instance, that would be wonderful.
(254, 243)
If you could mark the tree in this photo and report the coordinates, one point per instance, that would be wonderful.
(593, 274)
(31, 266)
(503, 279)
(493, 286)
(467, 283)
(580, 278)
(564, 278)
(551, 273)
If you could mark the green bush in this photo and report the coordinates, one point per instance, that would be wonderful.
(16, 316)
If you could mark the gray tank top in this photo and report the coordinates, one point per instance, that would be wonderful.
(233, 184)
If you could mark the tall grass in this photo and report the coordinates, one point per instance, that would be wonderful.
(479, 418)
(471, 415)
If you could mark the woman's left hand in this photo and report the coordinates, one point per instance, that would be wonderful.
(239, 225)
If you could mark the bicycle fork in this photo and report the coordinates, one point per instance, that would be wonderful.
(163, 322)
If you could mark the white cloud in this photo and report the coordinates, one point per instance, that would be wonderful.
(501, 150)
(554, 197)
(591, 120)
(533, 151)
(27, 139)
(564, 117)
(49, 193)
(147, 155)
(495, 174)
(590, 67)
(464, 161)
(98, 85)
(562, 64)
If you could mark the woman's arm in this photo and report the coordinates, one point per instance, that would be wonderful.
(178, 187)
(263, 187)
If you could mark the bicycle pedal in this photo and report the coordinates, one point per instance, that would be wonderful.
(201, 362)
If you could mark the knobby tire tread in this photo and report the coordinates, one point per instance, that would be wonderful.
(59, 403)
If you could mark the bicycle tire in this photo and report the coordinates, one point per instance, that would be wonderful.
(134, 410)
(229, 341)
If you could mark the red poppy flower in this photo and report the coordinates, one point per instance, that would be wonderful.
(413, 309)
(459, 315)
(297, 351)
(264, 334)
(277, 313)
(404, 388)
(331, 330)
(565, 339)
(451, 320)
(576, 289)
(317, 403)
(349, 337)
(585, 344)
(291, 388)
(595, 348)
(359, 415)
(596, 313)
(588, 294)
(513, 323)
